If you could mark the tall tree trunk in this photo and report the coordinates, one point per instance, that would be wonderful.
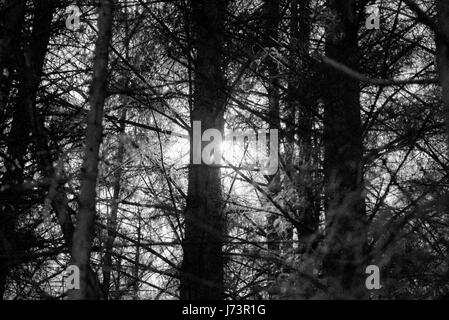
(292, 101)
(12, 14)
(300, 120)
(82, 238)
(310, 211)
(118, 173)
(443, 58)
(271, 19)
(345, 211)
(202, 267)
(112, 218)
(11, 21)
(31, 75)
(137, 257)
(28, 63)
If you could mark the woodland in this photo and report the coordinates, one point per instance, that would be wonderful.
(98, 170)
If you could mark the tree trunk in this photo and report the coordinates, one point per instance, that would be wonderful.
(443, 58)
(31, 75)
(137, 257)
(345, 213)
(112, 219)
(202, 267)
(11, 21)
(112, 224)
(310, 211)
(301, 108)
(271, 19)
(29, 63)
(82, 238)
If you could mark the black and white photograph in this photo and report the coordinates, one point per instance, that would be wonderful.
(224, 154)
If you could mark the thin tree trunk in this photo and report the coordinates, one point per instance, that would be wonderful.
(300, 120)
(202, 267)
(271, 19)
(292, 87)
(34, 62)
(112, 223)
(345, 211)
(12, 14)
(82, 238)
(137, 257)
(443, 58)
(309, 212)
(32, 72)
(112, 218)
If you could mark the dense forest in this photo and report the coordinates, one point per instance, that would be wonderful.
(218, 149)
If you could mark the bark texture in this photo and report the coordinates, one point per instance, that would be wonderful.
(202, 268)
(82, 238)
(443, 57)
(345, 214)
(271, 19)
(112, 218)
